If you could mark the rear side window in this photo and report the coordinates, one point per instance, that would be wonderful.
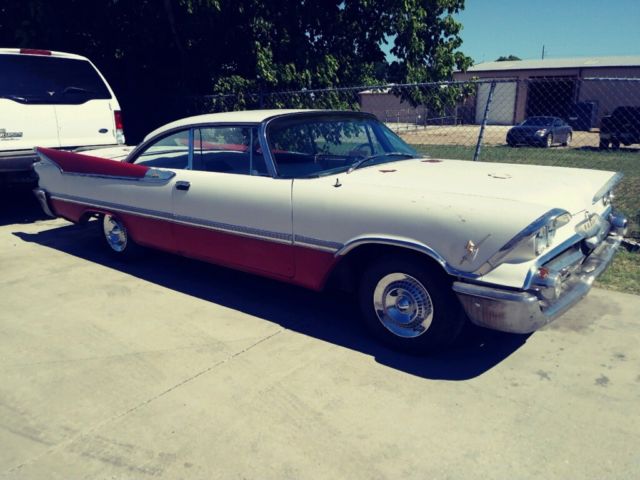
(171, 151)
(42, 79)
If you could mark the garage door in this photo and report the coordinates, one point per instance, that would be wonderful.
(502, 108)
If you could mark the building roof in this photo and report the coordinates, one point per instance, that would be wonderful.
(548, 63)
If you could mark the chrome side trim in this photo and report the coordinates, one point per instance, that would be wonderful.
(613, 181)
(278, 237)
(325, 245)
(349, 246)
(521, 237)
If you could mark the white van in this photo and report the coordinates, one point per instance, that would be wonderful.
(52, 99)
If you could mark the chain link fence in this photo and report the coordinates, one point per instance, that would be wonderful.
(546, 112)
(584, 123)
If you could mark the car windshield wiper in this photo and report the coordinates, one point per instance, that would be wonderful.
(17, 98)
(364, 160)
(74, 89)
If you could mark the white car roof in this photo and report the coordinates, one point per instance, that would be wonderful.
(52, 53)
(245, 116)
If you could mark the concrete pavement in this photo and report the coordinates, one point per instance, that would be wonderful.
(171, 368)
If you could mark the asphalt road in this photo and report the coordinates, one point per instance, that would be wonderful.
(171, 368)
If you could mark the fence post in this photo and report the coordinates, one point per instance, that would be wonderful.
(476, 154)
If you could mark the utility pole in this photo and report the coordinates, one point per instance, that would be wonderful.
(543, 52)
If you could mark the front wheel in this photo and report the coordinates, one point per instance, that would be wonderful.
(409, 306)
(548, 141)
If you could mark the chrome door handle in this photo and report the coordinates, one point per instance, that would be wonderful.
(182, 185)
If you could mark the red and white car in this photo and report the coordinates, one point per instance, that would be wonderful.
(319, 197)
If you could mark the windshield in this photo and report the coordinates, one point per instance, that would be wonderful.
(312, 145)
(43, 79)
(538, 122)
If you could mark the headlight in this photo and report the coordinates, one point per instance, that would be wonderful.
(530, 241)
(541, 133)
(543, 239)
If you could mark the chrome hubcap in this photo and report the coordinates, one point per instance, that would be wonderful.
(115, 233)
(403, 305)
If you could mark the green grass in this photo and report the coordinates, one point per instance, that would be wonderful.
(624, 273)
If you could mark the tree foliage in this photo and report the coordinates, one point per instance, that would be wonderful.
(179, 47)
(509, 58)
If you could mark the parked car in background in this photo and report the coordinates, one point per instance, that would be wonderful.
(319, 198)
(55, 100)
(540, 132)
(621, 127)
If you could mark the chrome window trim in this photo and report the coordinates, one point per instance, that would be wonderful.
(131, 158)
(264, 125)
(190, 150)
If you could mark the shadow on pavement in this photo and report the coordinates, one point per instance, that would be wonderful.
(331, 317)
(18, 204)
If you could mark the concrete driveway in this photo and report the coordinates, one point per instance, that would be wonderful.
(171, 368)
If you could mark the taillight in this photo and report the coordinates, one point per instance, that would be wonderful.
(35, 51)
(117, 116)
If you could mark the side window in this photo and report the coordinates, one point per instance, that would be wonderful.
(171, 151)
(228, 149)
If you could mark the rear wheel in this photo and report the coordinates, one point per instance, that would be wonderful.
(567, 142)
(409, 306)
(117, 238)
(604, 144)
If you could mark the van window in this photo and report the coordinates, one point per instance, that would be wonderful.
(49, 80)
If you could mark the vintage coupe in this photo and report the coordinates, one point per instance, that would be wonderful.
(328, 197)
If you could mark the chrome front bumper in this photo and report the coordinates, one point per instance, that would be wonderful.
(527, 311)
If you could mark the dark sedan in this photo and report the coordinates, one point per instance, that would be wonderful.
(540, 132)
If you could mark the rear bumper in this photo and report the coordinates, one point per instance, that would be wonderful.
(43, 199)
(527, 311)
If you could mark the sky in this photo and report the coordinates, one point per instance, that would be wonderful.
(567, 28)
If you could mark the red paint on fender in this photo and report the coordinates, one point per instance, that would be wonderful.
(79, 163)
(313, 267)
(302, 266)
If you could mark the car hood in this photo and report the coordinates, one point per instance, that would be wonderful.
(571, 189)
(529, 128)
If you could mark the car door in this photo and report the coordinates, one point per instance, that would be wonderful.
(228, 209)
(152, 201)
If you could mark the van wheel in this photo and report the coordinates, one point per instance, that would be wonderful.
(117, 238)
(409, 306)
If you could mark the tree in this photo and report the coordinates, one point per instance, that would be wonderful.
(510, 58)
(171, 48)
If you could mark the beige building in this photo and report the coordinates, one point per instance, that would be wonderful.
(580, 90)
